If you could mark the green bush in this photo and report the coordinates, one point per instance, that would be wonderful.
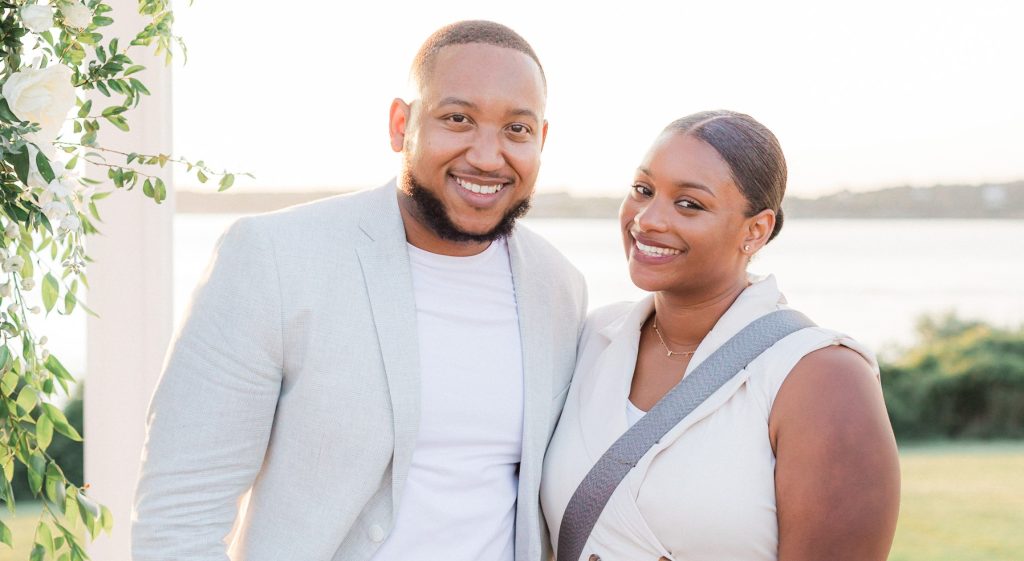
(961, 380)
(68, 453)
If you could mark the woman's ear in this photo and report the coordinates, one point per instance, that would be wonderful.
(759, 229)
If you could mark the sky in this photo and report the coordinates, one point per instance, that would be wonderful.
(861, 95)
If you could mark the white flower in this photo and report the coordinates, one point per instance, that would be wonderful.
(46, 354)
(59, 188)
(5, 289)
(77, 15)
(35, 309)
(43, 340)
(41, 96)
(71, 223)
(37, 18)
(55, 210)
(28, 283)
(12, 264)
(12, 230)
(12, 309)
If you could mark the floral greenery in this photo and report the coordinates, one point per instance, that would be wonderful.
(51, 55)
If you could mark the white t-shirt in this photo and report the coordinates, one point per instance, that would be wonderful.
(459, 501)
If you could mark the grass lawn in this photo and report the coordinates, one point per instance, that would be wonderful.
(961, 502)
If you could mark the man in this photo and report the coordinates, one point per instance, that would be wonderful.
(376, 376)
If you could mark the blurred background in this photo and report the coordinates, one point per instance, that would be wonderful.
(903, 128)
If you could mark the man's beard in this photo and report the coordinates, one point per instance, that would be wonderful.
(433, 214)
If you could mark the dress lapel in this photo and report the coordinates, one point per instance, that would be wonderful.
(384, 259)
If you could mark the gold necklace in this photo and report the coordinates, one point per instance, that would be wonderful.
(669, 352)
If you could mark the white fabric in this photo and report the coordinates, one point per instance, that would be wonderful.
(707, 490)
(294, 380)
(633, 413)
(460, 498)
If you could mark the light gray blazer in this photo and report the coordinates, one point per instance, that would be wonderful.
(295, 375)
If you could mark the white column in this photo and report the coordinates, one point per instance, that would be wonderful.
(131, 289)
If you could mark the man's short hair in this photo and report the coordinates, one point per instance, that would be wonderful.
(464, 32)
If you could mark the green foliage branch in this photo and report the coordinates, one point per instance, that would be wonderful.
(52, 55)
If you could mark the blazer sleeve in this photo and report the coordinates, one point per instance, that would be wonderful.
(211, 415)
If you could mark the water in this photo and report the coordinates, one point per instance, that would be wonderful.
(869, 278)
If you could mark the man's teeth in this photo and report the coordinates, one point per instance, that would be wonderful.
(656, 251)
(482, 189)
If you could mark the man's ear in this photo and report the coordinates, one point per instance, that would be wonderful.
(544, 134)
(399, 119)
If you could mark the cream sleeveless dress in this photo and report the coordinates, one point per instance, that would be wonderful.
(706, 492)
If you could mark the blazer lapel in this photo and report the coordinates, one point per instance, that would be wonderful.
(533, 306)
(384, 258)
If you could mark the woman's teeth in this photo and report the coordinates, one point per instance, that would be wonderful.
(656, 251)
(482, 189)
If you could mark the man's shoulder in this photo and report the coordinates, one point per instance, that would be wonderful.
(542, 253)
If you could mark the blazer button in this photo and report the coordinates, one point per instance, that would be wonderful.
(594, 557)
(376, 533)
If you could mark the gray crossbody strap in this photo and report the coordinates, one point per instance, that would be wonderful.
(597, 487)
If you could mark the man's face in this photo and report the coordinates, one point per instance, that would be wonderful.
(472, 142)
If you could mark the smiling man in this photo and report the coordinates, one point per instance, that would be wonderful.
(376, 376)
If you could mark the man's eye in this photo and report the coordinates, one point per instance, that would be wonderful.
(457, 118)
(519, 129)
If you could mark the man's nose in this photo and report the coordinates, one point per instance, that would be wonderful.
(485, 153)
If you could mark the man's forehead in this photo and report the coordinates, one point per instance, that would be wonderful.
(468, 66)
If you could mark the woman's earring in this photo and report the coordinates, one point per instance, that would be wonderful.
(746, 248)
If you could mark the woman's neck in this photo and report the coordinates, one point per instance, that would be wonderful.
(684, 319)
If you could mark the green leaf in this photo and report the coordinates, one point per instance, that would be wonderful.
(147, 188)
(161, 190)
(139, 86)
(60, 422)
(20, 162)
(106, 519)
(44, 537)
(9, 381)
(201, 176)
(51, 290)
(69, 302)
(36, 469)
(133, 69)
(226, 182)
(57, 369)
(44, 432)
(103, 89)
(27, 398)
(43, 165)
(118, 121)
(83, 111)
(6, 113)
(100, 21)
(38, 553)
(113, 43)
(114, 110)
(5, 534)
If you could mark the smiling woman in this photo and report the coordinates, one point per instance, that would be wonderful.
(792, 458)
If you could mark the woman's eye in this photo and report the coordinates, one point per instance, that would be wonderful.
(686, 203)
(641, 190)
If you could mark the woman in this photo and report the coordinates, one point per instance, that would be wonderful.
(793, 458)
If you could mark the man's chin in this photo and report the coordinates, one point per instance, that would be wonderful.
(433, 213)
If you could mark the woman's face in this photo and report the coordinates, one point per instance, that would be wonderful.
(683, 222)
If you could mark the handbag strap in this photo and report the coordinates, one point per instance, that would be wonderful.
(593, 493)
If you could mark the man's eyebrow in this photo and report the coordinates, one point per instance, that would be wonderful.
(457, 101)
(681, 184)
(524, 112)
